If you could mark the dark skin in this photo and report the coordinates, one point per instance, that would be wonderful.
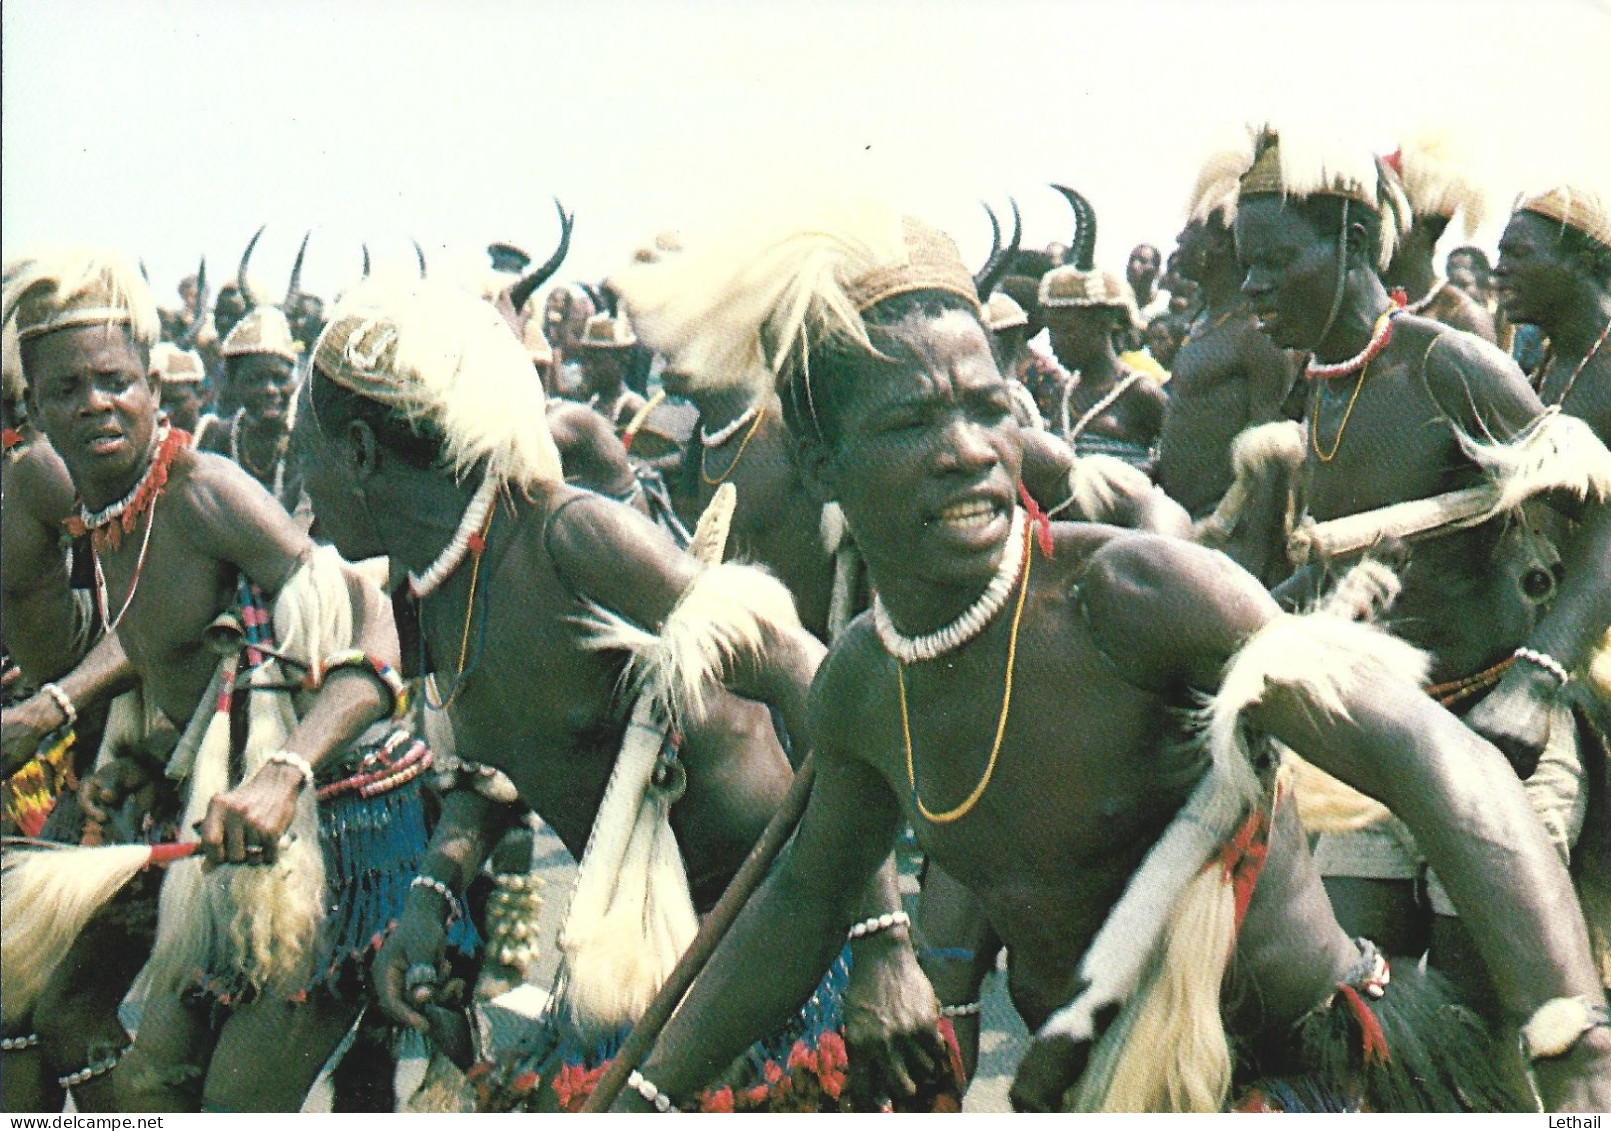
(1388, 437)
(552, 720)
(1116, 628)
(183, 402)
(603, 371)
(76, 1016)
(1227, 378)
(1460, 598)
(97, 403)
(1544, 283)
(261, 385)
(589, 450)
(34, 584)
(777, 519)
(1082, 339)
(1142, 272)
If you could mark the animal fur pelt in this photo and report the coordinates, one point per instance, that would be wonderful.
(728, 612)
(1097, 484)
(255, 924)
(1555, 452)
(1255, 453)
(631, 915)
(1163, 950)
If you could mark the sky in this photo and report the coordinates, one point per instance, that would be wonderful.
(174, 129)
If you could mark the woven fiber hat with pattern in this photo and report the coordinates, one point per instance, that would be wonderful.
(1574, 207)
(263, 331)
(174, 366)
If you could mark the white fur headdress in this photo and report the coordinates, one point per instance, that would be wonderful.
(1438, 179)
(70, 286)
(433, 353)
(1316, 161)
(1216, 188)
(759, 294)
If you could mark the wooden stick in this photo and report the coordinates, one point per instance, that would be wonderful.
(749, 877)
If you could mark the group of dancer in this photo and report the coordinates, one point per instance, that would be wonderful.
(1256, 710)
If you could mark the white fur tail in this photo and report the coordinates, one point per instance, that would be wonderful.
(49, 895)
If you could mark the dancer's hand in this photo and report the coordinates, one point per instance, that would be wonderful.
(1515, 715)
(1049, 1069)
(411, 970)
(22, 727)
(105, 789)
(892, 1022)
(244, 826)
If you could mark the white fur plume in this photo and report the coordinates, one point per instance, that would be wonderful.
(73, 284)
(1255, 453)
(49, 895)
(1218, 182)
(1321, 658)
(1097, 483)
(749, 297)
(727, 612)
(255, 922)
(1556, 452)
(434, 353)
(1439, 180)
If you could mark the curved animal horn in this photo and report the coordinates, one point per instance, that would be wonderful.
(240, 276)
(366, 260)
(528, 284)
(1082, 245)
(294, 287)
(995, 250)
(419, 254)
(188, 339)
(996, 266)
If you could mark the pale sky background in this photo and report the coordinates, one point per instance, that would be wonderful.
(175, 128)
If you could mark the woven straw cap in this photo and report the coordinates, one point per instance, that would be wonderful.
(607, 332)
(1576, 208)
(1002, 313)
(933, 263)
(263, 330)
(174, 366)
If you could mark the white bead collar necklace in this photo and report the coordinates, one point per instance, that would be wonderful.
(914, 649)
(719, 437)
(422, 585)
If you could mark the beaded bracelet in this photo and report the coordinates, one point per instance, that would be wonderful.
(296, 761)
(370, 664)
(1547, 662)
(966, 1009)
(455, 909)
(645, 1088)
(17, 1044)
(63, 701)
(879, 923)
(89, 1071)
